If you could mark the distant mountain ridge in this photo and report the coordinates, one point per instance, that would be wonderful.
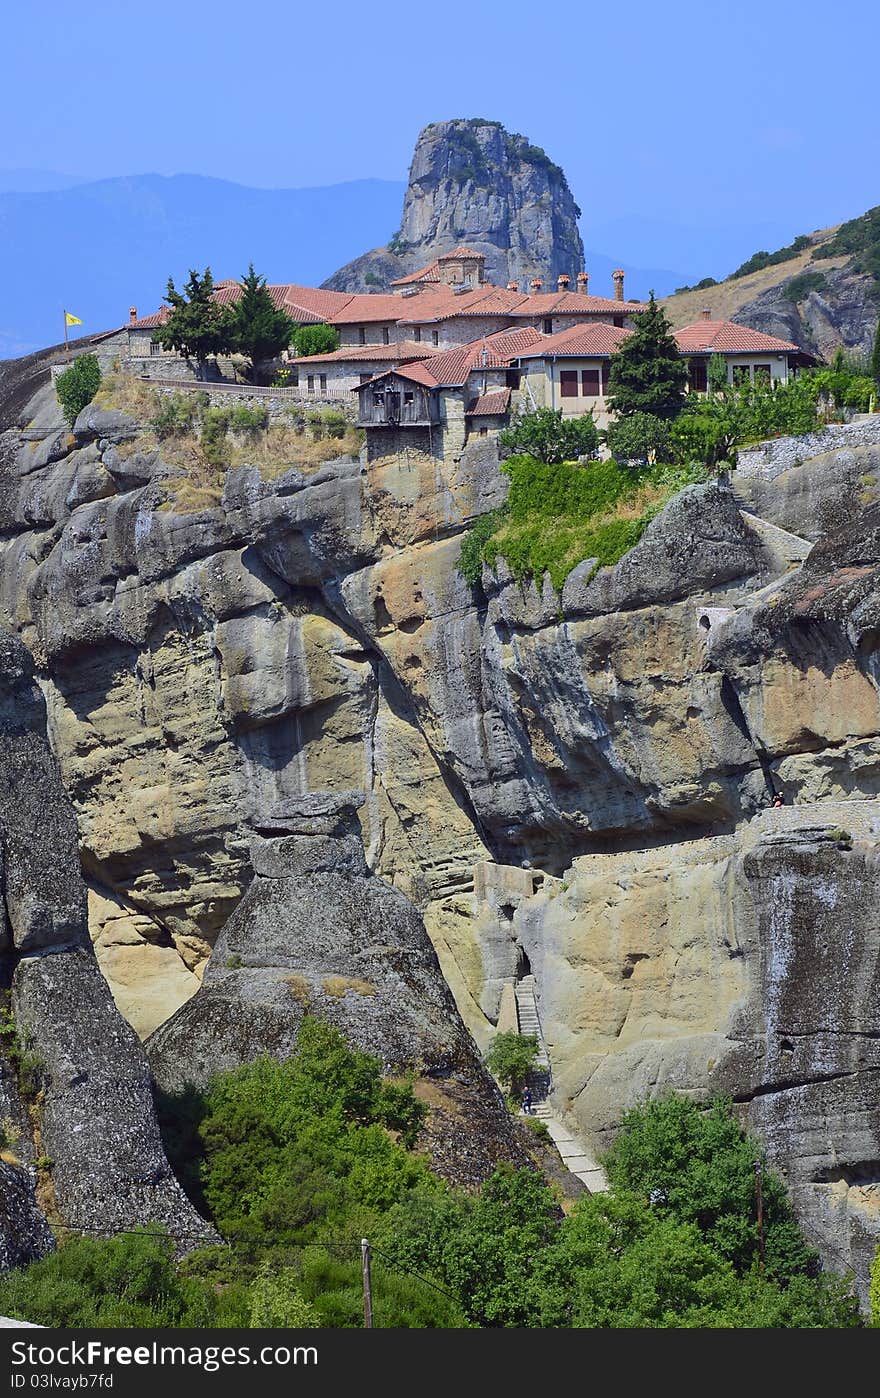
(100, 247)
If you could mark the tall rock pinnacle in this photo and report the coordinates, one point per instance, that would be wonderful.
(473, 182)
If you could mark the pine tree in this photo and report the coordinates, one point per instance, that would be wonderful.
(260, 331)
(198, 325)
(648, 375)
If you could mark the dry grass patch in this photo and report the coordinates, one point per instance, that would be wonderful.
(338, 985)
(300, 989)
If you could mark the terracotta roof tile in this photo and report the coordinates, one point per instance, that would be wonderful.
(726, 337)
(418, 373)
(460, 252)
(578, 342)
(488, 404)
(429, 273)
(397, 352)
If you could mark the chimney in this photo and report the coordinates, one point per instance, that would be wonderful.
(513, 286)
(535, 284)
(132, 313)
(583, 282)
(706, 313)
(618, 284)
(563, 281)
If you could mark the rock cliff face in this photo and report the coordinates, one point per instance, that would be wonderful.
(316, 933)
(569, 786)
(83, 1147)
(473, 183)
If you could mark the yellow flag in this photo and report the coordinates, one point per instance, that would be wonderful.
(71, 320)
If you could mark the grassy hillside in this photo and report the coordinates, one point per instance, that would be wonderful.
(730, 296)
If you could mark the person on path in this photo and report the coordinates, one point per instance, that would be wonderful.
(527, 1101)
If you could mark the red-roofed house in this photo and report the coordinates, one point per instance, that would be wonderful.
(440, 401)
(569, 371)
(749, 353)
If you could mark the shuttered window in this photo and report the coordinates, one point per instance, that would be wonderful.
(698, 380)
(590, 385)
(568, 381)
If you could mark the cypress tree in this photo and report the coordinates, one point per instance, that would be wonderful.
(259, 330)
(198, 325)
(648, 375)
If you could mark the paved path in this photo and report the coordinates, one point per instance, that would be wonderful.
(573, 1152)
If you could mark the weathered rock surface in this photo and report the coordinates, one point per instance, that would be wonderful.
(317, 933)
(77, 1090)
(313, 633)
(473, 183)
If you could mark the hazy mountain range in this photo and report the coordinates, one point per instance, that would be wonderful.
(97, 247)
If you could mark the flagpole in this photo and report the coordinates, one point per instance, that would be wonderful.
(66, 340)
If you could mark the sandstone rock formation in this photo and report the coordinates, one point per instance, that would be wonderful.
(473, 183)
(600, 759)
(317, 933)
(75, 1092)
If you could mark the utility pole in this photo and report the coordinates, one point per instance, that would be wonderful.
(759, 1174)
(368, 1285)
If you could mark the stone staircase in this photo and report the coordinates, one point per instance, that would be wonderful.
(572, 1150)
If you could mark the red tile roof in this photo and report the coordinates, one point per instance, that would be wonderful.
(429, 273)
(397, 352)
(560, 303)
(451, 368)
(418, 373)
(488, 404)
(726, 337)
(589, 341)
(151, 322)
(458, 253)
(366, 307)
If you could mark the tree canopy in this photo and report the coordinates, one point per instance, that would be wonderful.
(197, 326)
(648, 374)
(315, 339)
(545, 434)
(77, 386)
(259, 330)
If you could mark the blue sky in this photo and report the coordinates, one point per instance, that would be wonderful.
(760, 117)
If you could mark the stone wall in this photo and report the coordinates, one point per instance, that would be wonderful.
(771, 458)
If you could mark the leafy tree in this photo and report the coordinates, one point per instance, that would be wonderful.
(511, 1058)
(640, 437)
(197, 326)
(647, 372)
(716, 373)
(697, 1166)
(875, 357)
(315, 339)
(709, 429)
(544, 433)
(77, 386)
(259, 330)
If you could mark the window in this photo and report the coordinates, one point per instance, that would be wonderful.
(293, 381)
(311, 383)
(417, 334)
(698, 379)
(385, 340)
(568, 383)
(483, 431)
(548, 326)
(408, 395)
(762, 373)
(362, 334)
(435, 337)
(741, 373)
(378, 398)
(618, 321)
(323, 383)
(365, 378)
(590, 385)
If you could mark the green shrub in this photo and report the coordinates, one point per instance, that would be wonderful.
(759, 260)
(470, 562)
(175, 414)
(77, 386)
(277, 1302)
(214, 439)
(314, 339)
(248, 420)
(640, 437)
(334, 422)
(799, 287)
